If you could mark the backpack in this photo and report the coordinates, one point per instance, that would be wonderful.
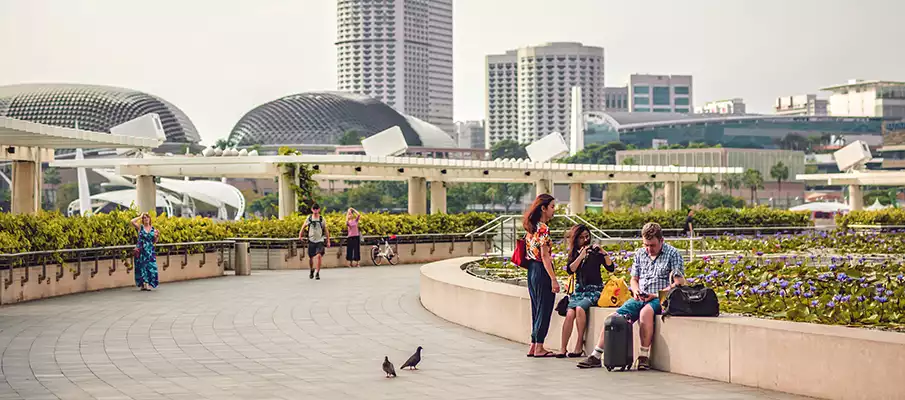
(691, 301)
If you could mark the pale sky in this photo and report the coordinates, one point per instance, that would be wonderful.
(217, 59)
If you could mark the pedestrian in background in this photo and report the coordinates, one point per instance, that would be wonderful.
(145, 253)
(353, 238)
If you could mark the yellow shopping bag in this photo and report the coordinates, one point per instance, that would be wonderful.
(614, 293)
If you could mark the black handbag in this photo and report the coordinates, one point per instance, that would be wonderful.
(691, 301)
(563, 306)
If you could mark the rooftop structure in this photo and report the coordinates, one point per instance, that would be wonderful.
(751, 131)
(323, 117)
(859, 98)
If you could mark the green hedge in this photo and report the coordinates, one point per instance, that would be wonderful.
(51, 231)
(715, 218)
(891, 216)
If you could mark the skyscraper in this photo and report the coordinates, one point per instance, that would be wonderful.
(529, 90)
(400, 52)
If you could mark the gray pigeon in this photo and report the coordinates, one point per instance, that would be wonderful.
(388, 367)
(413, 361)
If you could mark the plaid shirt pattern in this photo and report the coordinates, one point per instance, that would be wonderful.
(653, 275)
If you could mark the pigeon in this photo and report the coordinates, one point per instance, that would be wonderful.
(413, 361)
(388, 367)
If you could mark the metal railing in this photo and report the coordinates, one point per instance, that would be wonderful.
(124, 254)
(507, 229)
(339, 243)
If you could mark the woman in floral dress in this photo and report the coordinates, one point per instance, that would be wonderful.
(145, 254)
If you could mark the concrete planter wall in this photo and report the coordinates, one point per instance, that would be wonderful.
(409, 253)
(39, 282)
(831, 362)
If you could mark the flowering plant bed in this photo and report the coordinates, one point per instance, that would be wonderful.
(852, 289)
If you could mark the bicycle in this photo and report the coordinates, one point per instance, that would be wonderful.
(384, 251)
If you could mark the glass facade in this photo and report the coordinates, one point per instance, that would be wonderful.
(641, 89)
(642, 100)
(661, 96)
(682, 110)
(681, 89)
(681, 101)
(642, 109)
(750, 133)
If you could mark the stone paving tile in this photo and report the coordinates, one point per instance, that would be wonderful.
(279, 335)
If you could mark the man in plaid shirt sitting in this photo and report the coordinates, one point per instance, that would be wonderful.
(651, 270)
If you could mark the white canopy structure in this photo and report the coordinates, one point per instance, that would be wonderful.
(877, 206)
(15, 132)
(213, 193)
(826, 207)
(125, 198)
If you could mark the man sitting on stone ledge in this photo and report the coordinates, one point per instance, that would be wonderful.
(651, 270)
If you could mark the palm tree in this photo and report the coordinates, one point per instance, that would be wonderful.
(754, 180)
(732, 181)
(708, 181)
(223, 144)
(780, 172)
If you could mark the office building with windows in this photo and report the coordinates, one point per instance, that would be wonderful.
(724, 107)
(660, 93)
(399, 52)
(802, 104)
(859, 98)
(615, 98)
(470, 134)
(529, 89)
(642, 130)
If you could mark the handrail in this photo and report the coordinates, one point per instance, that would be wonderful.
(111, 248)
(492, 222)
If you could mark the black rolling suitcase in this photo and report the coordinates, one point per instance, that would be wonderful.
(618, 349)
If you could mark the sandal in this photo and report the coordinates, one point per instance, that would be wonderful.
(529, 355)
(548, 354)
(576, 355)
(561, 355)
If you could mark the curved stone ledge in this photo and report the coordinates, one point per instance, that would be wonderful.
(824, 361)
(39, 282)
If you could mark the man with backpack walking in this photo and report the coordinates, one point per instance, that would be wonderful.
(317, 233)
(651, 271)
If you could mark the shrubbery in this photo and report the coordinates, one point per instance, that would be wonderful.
(890, 216)
(52, 231)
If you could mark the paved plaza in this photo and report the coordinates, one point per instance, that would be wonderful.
(279, 335)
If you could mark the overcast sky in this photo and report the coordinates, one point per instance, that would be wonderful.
(217, 59)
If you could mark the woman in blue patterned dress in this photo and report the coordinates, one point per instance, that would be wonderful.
(146, 255)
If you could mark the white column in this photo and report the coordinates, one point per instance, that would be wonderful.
(417, 196)
(669, 196)
(855, 198)
(147, 193)
(576, 128)
(438, 197)
(576, 198)
(25, 197)
(288, 201)
(542, 186)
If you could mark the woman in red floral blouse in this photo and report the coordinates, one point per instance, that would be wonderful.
(542, 283)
